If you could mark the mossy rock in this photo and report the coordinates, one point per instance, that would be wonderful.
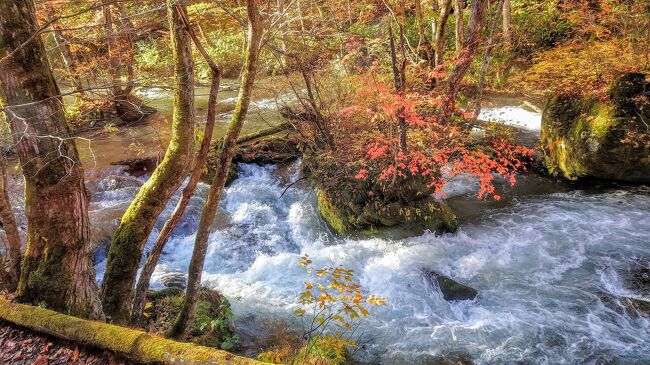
(589, 138)
(211, 325)
(350, 217)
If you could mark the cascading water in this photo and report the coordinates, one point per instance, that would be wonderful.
(549, 263)
(546, 268)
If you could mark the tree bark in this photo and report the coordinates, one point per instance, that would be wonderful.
(128, 243)
(197, 171)
(424, 46)
(472, 40)
(57, 267)
(507, 24)
(12, 236)
(486, 58)
(226, 153)
(443, 15)
(459, 6)
(399, 80)
(127, 106)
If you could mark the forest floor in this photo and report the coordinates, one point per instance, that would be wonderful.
(21, 346)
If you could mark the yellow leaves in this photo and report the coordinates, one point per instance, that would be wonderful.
(308, 285)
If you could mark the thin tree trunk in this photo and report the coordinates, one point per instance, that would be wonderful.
(11, 232)
(443, 15)
(197, 171)
(486, 58)
(128, 242)
(507, 24)
(398, 76)
(424, 46)
(69, 63)
(120, 49)
(57, 267)
(226, 153)
(473, 38)
(459, 6)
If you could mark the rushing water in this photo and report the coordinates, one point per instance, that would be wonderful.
(549, 261)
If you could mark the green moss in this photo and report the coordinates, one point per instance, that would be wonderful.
(135, 345)
(589, 138)
(348, 216)
(334, 217)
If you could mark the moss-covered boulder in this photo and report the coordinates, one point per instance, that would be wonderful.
(451, 289)
(348, 216)
(590, 138)
(212, 325)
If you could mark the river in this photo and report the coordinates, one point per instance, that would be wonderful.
(549, 260)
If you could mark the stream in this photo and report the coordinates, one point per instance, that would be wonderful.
(549, 260)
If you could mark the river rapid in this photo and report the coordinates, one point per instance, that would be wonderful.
(550, 261)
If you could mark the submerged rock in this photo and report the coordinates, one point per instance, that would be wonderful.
(589, 138)
(451, 290)
(346, 217)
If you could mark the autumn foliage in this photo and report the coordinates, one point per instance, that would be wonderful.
(369, 149)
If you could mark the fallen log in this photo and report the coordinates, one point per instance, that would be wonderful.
(135, 345)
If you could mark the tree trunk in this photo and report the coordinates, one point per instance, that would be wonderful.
(399, 80)
(57, 267)
(459, 6)
(443, 15)
(128, 243)
(507, 24)
(226, 153)
(11, 234)
(425, 49)
(120, 48)
(486, 58)
(474, 29)
(197, 171)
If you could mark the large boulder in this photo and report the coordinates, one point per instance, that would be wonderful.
(348, 216)
(590, 138)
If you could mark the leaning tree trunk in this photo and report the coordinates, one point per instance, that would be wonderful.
(226, 153)
(441, 24)
(11, 273)
(128, 243)
(197, 171)
(472, 40)
(57, 267)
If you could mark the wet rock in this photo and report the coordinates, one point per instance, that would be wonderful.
(174, 280)
(451, 290)
(347, 216)
(138, 166)
(589, 138)
(113, 182)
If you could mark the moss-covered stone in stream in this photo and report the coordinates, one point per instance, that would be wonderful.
(346, 217)
(589, 138)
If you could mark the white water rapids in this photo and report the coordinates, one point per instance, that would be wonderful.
(548, 266)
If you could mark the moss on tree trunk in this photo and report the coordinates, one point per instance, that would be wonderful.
(128, 243)
(136, 345)
(57, 267)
